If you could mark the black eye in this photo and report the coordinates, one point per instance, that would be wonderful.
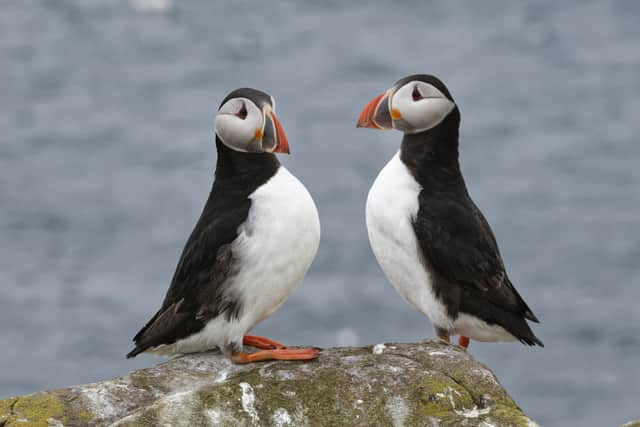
(416, 94)
(243, 112)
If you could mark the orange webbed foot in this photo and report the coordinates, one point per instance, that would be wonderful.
(262, 342)
(277, 354)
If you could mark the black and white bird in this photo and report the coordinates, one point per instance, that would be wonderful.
(429, 237)
(254, 242)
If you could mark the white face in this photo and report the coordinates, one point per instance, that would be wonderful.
(421, 106)
(239, 125)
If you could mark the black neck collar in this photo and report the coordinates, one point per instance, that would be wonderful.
(247, 169)
(432, 156)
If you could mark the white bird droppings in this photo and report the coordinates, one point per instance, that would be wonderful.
(398, 410)
(473, 412)
(222, 376)
(214, 416)
(379, 348)
(281, 418)
(248, 402)
(100, 398)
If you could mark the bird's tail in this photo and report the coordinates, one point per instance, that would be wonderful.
(525, 335)
(531, 340)
(136, 351)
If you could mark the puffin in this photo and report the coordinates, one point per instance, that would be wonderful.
(252, 245)
(429, 237)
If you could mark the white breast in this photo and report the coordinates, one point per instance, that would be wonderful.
(279, 241)
(391, 206)
(275, 246)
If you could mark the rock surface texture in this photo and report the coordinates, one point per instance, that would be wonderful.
(422, 384)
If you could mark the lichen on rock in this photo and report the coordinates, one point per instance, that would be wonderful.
(422, 384)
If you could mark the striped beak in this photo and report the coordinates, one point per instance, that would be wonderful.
(273, 138)
(377, 113)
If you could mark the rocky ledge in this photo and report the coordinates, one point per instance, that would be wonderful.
(422, 384)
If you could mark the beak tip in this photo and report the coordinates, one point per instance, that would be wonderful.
(366, 117)
(282, 145)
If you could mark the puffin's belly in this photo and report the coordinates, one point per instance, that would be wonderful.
(275, 247)
(392, 204)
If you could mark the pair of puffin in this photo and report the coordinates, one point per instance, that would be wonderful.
(259, 233)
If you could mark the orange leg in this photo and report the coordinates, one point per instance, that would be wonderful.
(278, 354)
(464, 341)
(261, 342)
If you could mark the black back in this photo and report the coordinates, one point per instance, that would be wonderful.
(200, 288)
(457, 243)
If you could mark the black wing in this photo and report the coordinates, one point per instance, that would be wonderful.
(198, 290)
(459, 245)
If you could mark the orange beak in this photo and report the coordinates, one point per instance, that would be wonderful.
(282, 144)
(272, 137)
(375, 114)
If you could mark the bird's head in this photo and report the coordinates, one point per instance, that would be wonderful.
(246, 122)
(413, 104)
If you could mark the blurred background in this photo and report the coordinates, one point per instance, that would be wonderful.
(107, 157)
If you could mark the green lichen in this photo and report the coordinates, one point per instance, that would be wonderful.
(6, 406)
(487, 392)
(481, 387)
(404, 385)
(510, 416)
(439, 396)
(42, 408)
(36, 409)
(324, 397)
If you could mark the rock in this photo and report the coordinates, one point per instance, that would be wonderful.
(423, 384)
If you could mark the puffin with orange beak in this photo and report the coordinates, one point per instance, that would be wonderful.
(431, 240)
(254, 242)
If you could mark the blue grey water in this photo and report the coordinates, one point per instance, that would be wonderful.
(107, 156)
